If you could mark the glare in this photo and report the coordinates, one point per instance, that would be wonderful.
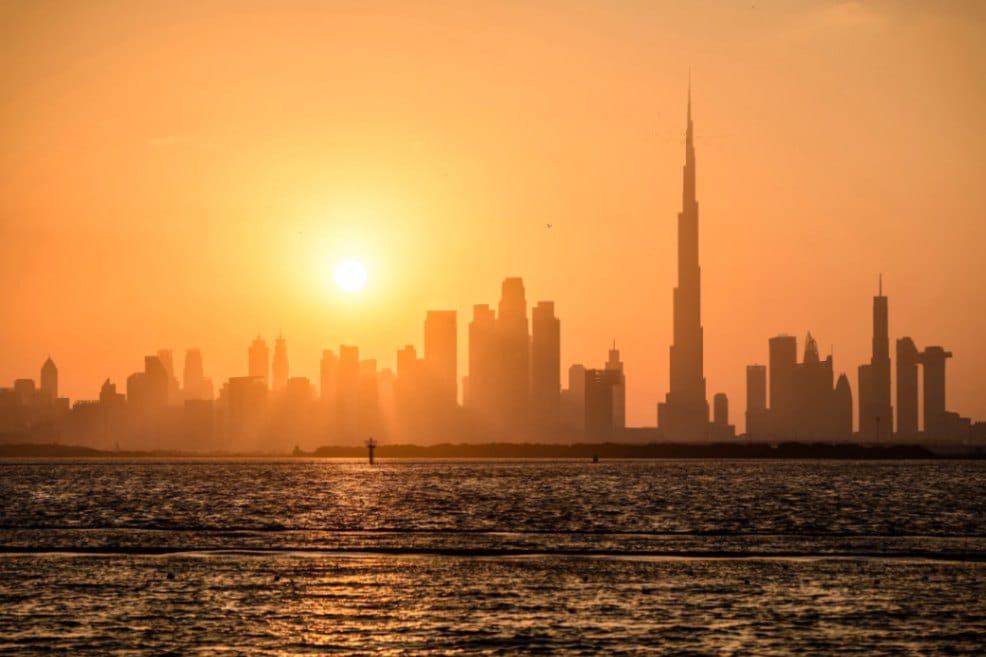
(350, 276)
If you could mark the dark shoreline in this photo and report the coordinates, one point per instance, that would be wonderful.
(785, 450)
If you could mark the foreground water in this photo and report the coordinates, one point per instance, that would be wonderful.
(487, 557)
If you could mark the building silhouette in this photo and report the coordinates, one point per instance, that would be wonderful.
(174, 387)
(614, 364)
(908, 360)
(545, 364)
(480, 386)
(684, 414)
(600, 392)
(875, 412)
(842, 409)
(573, 399)
(512, 358)
(441, 356)
(258, 361)
(49, 381)
(195, 386)
(328, 369)
(756, 401)
(721, 429)
(279, 365)
(783, 363)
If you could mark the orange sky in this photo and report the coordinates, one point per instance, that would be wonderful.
(185, 174)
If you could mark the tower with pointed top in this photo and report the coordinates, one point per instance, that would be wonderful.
(684, 414)
(876, 420)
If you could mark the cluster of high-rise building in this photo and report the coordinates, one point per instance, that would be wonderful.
(512, 389)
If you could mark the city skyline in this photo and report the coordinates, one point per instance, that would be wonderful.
(512, 388)
(788, 244)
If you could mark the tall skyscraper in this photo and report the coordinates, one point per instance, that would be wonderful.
(194, 384)
(328, 371)
(441, 353)
(908, 359)
(783, 363)
(842, 409)
(174, 387)
(478, 392)
(684, 415)
(545, 363)
(756, 401)
(599, 397)
(935, 415)
(279, 366)
(512, 365)
(614, 364)
(259, 359)
(347, 391)
(49, 381)
(876, 416)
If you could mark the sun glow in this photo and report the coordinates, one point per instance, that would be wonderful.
(350, 276)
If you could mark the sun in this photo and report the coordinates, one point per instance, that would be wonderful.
(350, 276)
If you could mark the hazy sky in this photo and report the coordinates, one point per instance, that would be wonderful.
(187, 174)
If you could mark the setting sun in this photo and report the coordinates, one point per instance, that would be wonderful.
(350, 276)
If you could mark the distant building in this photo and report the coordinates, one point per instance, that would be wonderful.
(599, 394)
(721, 429)
(195, 386)
(49, 381)
(756, 401)
(842, 409)
(441, 356)
(328, 375)
(258, 357)
(481, 385)
(876, 421)
(279, 366)
(908, 359)
(614, 364)
(545, 364)
(684, 414)
(512, 360)
(783, 363)
(174, 387)
(573, 398)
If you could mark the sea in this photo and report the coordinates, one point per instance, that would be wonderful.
(492, 557)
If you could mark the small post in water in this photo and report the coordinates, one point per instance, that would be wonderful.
(371, 445)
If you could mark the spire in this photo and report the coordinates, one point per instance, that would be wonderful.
(689, 95)
(880, 286)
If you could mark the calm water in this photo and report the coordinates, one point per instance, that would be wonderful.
(486, 557)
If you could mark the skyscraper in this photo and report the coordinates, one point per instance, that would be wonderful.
(908, 359)
(194, 383)
(684, 414)
(842, 409)
(783, 363)
(441, 353)
(512, 364)
(876, 415)
(756, 401)
(328, 371)
(478, 392)
(599, 385)
(279, 366)
(935, 415)
(614, 364)
(545, 363)
(49, 381)
(258, 357)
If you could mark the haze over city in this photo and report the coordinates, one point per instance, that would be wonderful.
(189, 176)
